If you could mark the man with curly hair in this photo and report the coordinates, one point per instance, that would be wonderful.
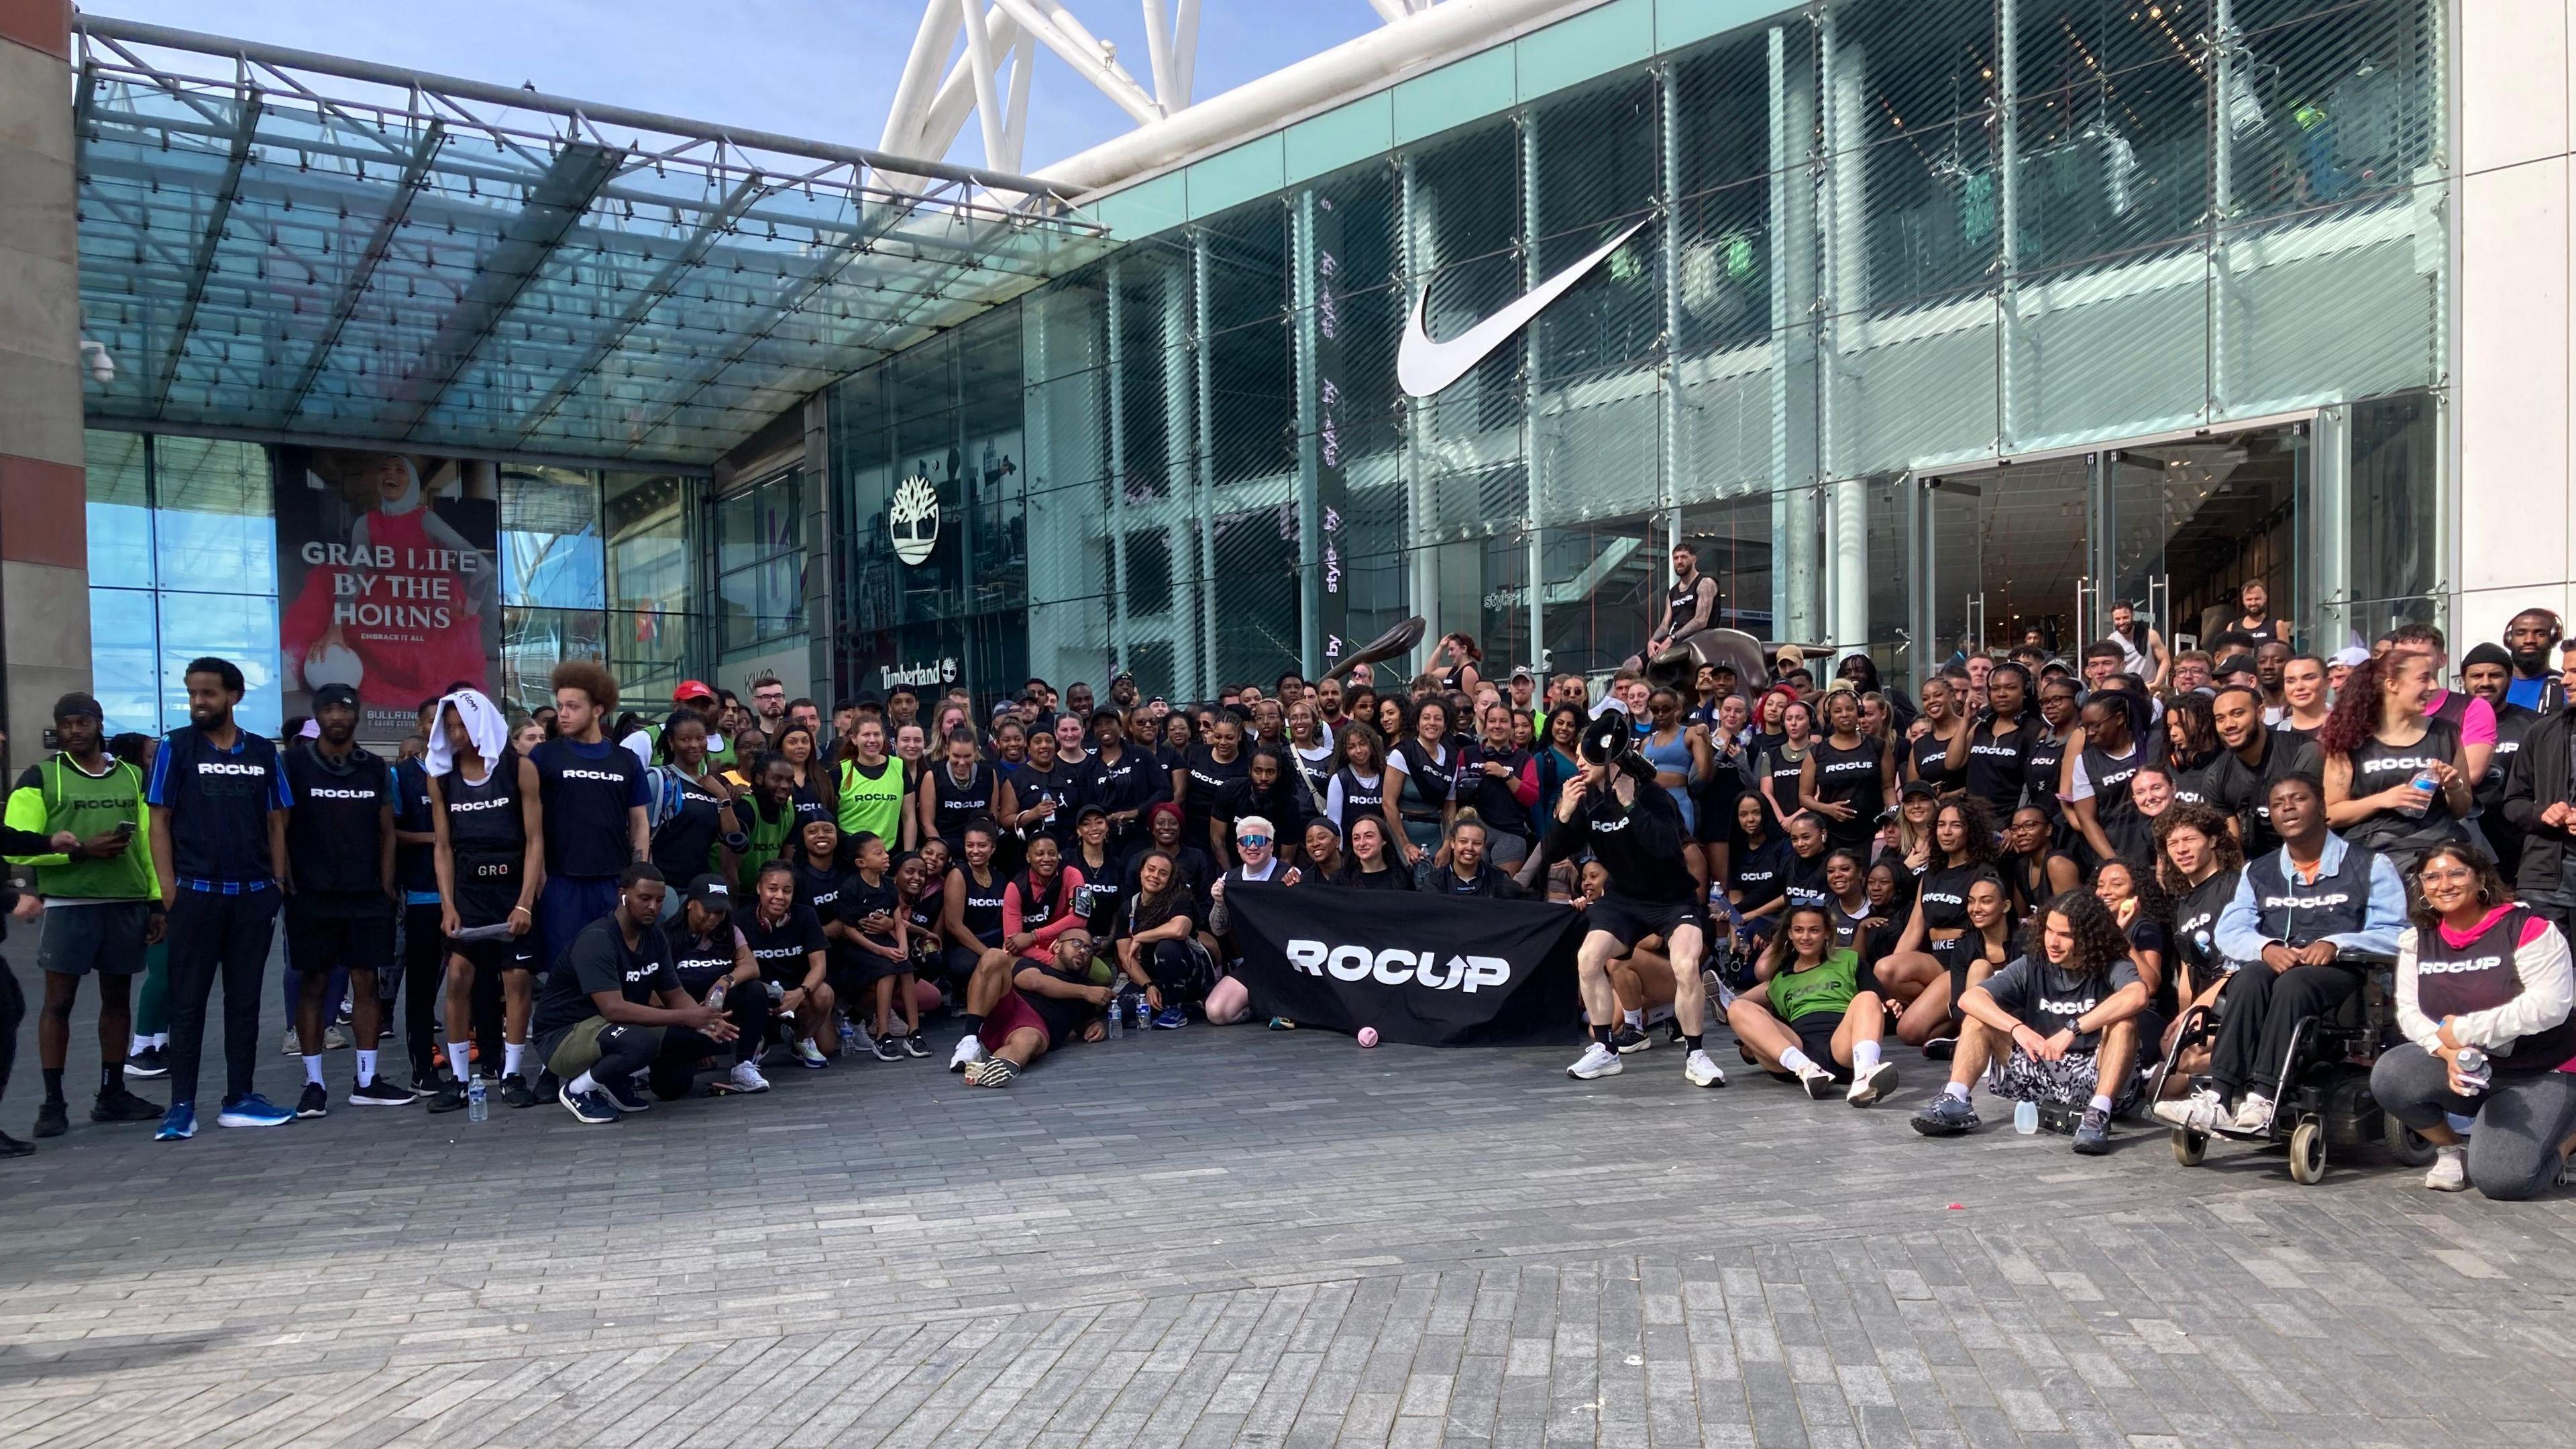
(594, 795)
(2060, 1026)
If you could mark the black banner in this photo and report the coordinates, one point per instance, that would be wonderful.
(1423, 970)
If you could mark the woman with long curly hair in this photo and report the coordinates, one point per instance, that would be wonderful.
(1929, 967)
(2397, 780)
(2062, 1025)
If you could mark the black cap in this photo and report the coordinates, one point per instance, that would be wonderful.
(1087, 811)
(710, 891)
(2236, 664)
(2488, 653)
(335, 693)
(77, 705)
(1924, 788)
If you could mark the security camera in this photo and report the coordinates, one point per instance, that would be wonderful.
(102, 368)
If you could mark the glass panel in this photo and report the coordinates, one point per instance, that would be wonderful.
(2194, 520)
(2112, 127)
(535, 640)
(1256, 593)
(1599, 162)
(124, 650)
(216, 526)
(2327, 101)
(2392, 515)
(230, 626)
(2343, 301)
(1604, 590)
(119, 510)
(1735, 547)
(1911, 106)
(551, 553)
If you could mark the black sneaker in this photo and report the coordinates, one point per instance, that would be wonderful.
(120, 1105)
(1941, 1048)
(1945, 1116)
(53, 1119)
(450, 1097)
(914, 1046)
(516, 1092)
(888, 1049)
(628, 1096)
(316, 1101)
(426, 1084)
(2093, 1134)
(147, 1063)
(12, 1147)
(378, 1093)
(1628, 1039)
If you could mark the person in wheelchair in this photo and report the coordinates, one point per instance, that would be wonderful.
(2060, 1026)
(2299, 916)
(2479, 974)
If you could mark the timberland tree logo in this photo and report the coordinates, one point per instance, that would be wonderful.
(912, 519)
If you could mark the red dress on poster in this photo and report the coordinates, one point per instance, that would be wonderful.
(398, 619)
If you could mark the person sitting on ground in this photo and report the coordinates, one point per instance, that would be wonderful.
(2060, 1025)
(1928, 968)
(1858, 925)
(1931, 1019)
(788, 946)
(2198, 866)
(1228, 1001)
(613, 1007)
(1370, 861)
(1158, 950)
(872, 913)
(1038, 906)
(970, 918)
(2033, 868)
(1815, 1017)
(2298, 916)
(1642, 979)
(715, 965)
(1460, 867)
(2477, 973)
(1041, 1006)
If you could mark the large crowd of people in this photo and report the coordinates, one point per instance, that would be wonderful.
(2033, 868)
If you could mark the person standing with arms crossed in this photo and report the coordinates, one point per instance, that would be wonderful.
(102, 904)
(594, 797)
(219, 803)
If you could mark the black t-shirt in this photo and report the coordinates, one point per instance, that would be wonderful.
(415, 866)
(1065, 1016)
(820, 891)
(1212, 783)
(1032, 787)
(2048, 999)
(2196, 927)
(1139, 917)
(1389, 879)
(1998, 766)
(1103, 887)
(956, 804)
(218, 802)
(685, 843)
(1640, 843)
(700, 960)
(600, 960)
(1198, 870)
(784, 950)
(1760, 874)
(860, 900)
(1133, 781)
(587, 790)
(334, 834)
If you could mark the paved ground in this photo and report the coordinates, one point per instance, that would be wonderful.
(1231, 1236)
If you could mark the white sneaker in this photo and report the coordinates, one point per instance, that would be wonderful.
(1701, 1071)
(2450, 1171)
(2197, 1113)
(2254, 1114)
(747, 1078)
(1816, 1082)
(1597, 1061)
(293, 1046)
(969, 1052)
(1869, 1086)
(808, 1054)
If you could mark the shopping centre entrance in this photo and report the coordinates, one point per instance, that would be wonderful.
(2039, 550)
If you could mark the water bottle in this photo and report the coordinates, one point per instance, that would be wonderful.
(2474, 1072)
(2425, 783)
(478, 1106)
(1144, 1012)
(2026, 1118)
(1115, 1018)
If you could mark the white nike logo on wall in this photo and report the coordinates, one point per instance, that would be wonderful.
(1424, 367)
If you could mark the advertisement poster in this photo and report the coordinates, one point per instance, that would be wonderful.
(388, 580)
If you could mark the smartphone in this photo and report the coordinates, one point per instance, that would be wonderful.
(125, 830)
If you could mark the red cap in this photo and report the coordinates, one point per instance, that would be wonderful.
(692, 689)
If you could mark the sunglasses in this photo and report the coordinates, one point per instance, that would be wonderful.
(1252, 840)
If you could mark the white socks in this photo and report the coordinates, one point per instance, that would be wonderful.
(2100, 1103)
(511, 1053)
(366, 1067)
(1864, 1057)
(460, 1060)
(1797, 1061)
(583, 1083)
(1636, 1019)
(313, 1070)
(1957, 1089)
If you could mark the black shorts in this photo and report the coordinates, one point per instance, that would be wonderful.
(1815, 1032)
(1631, 920)
(322, 935)
(507, 953)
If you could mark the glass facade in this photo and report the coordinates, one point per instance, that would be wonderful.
(759, 564)
(183, 562)
(1868, 245)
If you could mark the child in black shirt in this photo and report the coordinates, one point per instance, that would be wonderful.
(872, 913)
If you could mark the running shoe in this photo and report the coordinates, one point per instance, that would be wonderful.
(119, 1105)
(333, 1038)
(53, 1119)
(380, 1093)
(316, 1101)
(2093, 1134)
(886, 1048)
(450, 1097)
(1171, 1018)
(1945, 1116)
(914, 1046)
(516, 1092)
(425, 1084)
(992, 1072)
(147, 1063)
(1597, 1061)
(2450, 1170)
(250, 1110)
(2198, 1112)
(1281, 1023)
(1629, 1039)
(178, 1124)
(1818, 1082)
(593, 1108)
(745, 1079)
(809, 1056)
(12, 1147)
(1701, 1070)
(970, 1050)
(1870, 1086)
(627, 1095)
(293, 1045)
(1941, 1048)
(2254, 1114)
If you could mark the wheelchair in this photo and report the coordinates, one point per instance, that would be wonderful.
(2322, 1100)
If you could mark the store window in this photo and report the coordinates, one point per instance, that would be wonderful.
(649, 620)
(760, 563)
(553, 600)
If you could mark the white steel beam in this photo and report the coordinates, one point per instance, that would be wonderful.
(1158, 50)
(979, 64)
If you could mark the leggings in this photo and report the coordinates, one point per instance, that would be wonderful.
(13, 1010)
(217, 937)
(2513, 1151)
(2259, 1008)
(152, 1004)
(424, 967)
(1179, 970)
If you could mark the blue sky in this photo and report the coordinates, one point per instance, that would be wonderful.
(823, 69)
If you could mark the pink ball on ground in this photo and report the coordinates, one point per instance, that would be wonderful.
(1368, 1036)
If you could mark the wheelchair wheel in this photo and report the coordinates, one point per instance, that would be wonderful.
(2190, 1147)
(2308, 1153)
(2405, 1144)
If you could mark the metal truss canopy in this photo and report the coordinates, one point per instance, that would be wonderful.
(280, 241)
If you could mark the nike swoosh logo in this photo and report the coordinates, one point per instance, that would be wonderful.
(1424, 367)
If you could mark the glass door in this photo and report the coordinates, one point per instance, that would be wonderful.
(1951, 609)
(2191, 521)
(2003, 559)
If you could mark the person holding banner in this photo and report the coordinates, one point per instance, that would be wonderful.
(1630, 824)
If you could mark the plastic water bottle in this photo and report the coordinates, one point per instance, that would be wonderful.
(2425, 783)
(478, 1106)
(1116, 1016)
(2026, 1118)
(2474, 1072)
(1144, 1012)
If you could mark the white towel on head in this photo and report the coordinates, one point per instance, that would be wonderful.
(484, 725)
